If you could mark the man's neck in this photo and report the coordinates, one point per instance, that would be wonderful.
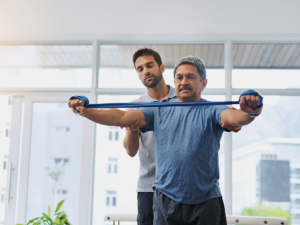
(160, 91)
(197, 99)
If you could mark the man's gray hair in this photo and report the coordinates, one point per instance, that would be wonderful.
(192, 60)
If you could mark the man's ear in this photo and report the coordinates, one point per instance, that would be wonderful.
(162, 68)
(204, 84)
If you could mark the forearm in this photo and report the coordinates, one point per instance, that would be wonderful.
(131, 142)
(111, 117)
(236, 118)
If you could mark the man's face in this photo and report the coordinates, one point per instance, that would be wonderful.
(187, 83)
(148, 70)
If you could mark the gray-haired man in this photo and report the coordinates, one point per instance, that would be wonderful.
(187, 141)
(148, 63)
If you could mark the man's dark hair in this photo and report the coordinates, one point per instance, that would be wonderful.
(145, 52)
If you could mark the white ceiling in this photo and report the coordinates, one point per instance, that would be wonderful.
(144, 20)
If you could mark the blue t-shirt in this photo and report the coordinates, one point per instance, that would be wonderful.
(187, 141)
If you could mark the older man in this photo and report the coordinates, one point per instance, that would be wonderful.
(187, 140)
(150, 69)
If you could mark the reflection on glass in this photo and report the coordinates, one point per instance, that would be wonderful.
(55, 152)
(266, 161)
(5, 120)
(45, 66)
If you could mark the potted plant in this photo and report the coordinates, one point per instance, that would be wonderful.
(59, 218)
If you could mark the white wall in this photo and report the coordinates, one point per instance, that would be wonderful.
(148, 20)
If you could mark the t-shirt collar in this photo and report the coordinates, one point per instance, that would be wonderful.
(170, 95)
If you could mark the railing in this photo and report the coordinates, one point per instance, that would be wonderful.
(245, 220)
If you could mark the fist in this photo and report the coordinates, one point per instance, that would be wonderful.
(249, 102)
(77, 107)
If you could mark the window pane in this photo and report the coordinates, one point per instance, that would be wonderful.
(5, 120)
(125, 170)
(266, 78)
(45, 66)
(117, 70)
(49, 172)
(109, 168)
(114, 202)
(266, 159)
(116, 168)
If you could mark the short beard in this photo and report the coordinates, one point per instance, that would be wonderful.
(155, 81)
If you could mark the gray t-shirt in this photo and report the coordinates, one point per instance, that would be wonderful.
(187, 141)
(147, 150)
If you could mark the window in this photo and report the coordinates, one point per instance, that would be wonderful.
(62, 129)
(113, 134)
(7, 133)
(55, 149)
(111, 198)
(46, 66)
(270, 141)
(112, 165)
(278, 63)
(61, 160)
(119, 72)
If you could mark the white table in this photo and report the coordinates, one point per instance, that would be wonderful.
(245, 220)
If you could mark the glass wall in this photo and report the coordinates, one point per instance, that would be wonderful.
(265, 167)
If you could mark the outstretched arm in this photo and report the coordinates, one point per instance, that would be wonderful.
(111, 117)
(241, 117)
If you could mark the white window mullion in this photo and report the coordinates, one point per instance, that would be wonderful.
(13, 161)
(228, 135)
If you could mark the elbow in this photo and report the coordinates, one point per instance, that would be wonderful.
(131, 153)
(130, 150)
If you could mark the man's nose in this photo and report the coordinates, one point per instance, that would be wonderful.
(184, 81)
(146, 71)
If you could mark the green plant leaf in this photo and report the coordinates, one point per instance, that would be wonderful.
(47, 217)
(59, 205)
(31, 221)
(57, 220)
(59, 213)
(49, 211)
(19, 224)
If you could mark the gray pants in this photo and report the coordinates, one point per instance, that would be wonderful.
(168, 212)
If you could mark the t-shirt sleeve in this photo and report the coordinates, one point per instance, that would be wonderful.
(218, 109)
(149, 117)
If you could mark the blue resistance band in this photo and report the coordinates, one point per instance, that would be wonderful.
(163, 104)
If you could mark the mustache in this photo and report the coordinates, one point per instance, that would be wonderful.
(185, 87)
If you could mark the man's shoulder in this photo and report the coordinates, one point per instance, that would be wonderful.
(143, 98)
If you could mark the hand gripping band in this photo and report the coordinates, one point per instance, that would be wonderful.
(162, 104)
(251, 92)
